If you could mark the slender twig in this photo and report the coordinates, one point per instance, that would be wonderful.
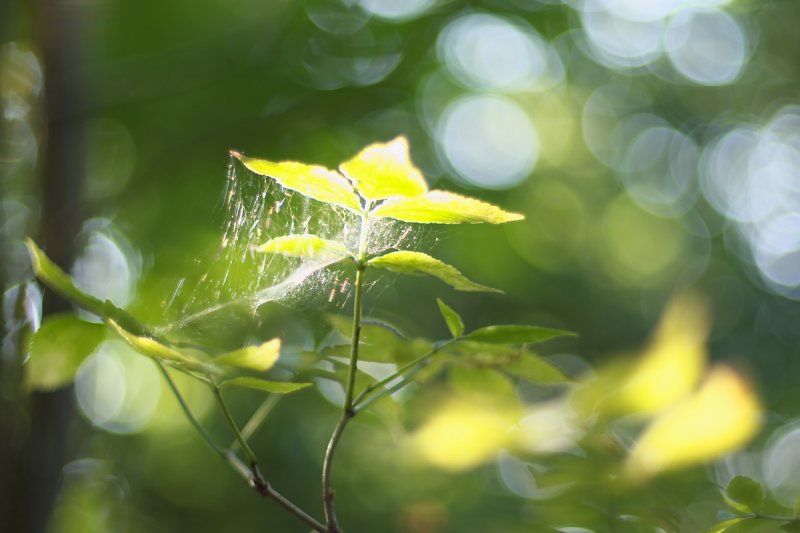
(200, 429)
(256, 479)
(347, 412)
(248, 452)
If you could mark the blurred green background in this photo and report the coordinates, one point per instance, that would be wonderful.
(652, 145)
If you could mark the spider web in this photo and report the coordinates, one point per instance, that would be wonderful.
(238, 280)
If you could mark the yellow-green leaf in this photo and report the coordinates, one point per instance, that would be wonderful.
(513, 334)
(154, 349)
(260, 358)
(408, 262)
(314, 181)
(451, 318)
(726, 524)
(51, 275)
(309, 246)
(58, 348)
(442, 207)
(276, 387)
(382, 170)
(55, 278)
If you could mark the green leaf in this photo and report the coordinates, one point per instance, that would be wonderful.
(516, 334)
(260, 358)
(309, 246)
(58, 348)
(744, 495)
(314, 181)
(442, 207)
(407, 262)
(382, 170)
(536, 369)
(276, 387)
(451, 318)
(155, 350)
(792, 526)
(725, 524)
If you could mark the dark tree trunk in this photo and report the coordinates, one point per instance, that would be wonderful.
(32, 481)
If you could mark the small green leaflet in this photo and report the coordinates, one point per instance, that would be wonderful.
(407, 262)
(382, 170)
(154, 349)
(442, 207)
(57, 350)
(276, 387)
(744, 495)
(451, 318)
(308, 246)
(314, 181)
(516, 334)
(259, 358)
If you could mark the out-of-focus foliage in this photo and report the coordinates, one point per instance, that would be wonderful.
(650, 145)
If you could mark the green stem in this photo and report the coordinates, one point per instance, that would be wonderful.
(348, 412)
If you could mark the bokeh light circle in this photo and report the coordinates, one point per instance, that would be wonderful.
(488, 140)
(488, 52)
(707, 46)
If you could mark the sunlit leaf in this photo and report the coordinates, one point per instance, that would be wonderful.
(451, 318)
(308, 246)
(464, 433)
(58, 348)
(382, 170)
(260, 358)
(513, 334)
(314, 181)
(726, 524)
(442, 207)
(721, 416)
(744, 495)
(275, 387)
(407, 262)
(156, 350)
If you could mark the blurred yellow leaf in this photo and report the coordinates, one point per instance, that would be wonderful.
(464, 433)
(721, 416)
(668, 369)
